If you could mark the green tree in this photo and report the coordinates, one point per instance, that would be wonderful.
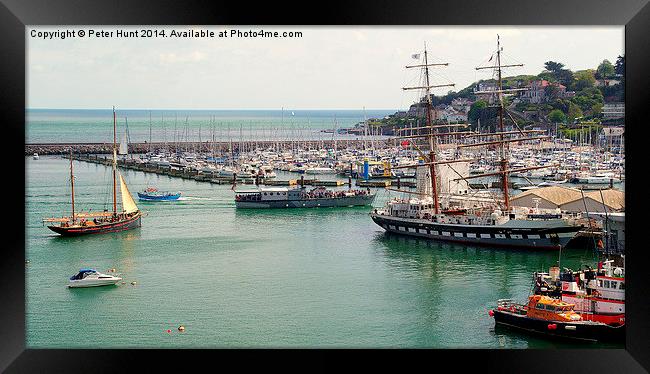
(583, 79)
(606, 69)
(597, 109)
(587, 98)
(556, 116)
(574, 112)
(556, 73)
(475, 110)
(619, 68)
(553, 67)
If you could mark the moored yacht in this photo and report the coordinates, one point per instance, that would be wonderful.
(92, 278)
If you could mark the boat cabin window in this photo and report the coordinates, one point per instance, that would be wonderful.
(606, 284)
(614, 284)
(550, 307)
(540, 306)
(621, 286)
(600, 283)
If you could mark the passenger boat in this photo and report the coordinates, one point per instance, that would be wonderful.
(82, 223)
(554, 318)
(283, 197)
(598, 294)
(92, 278)
(497, 225)
(153, 194)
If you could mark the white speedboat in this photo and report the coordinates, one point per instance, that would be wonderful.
(92, 278)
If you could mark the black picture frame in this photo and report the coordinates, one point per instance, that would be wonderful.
(15, 14)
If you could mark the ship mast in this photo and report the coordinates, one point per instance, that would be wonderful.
(429, 123)
(72, 185)
(114, 165)
(503, 148)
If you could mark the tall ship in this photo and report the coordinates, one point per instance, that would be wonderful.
(301, 197)
(82, 223)
(492, 222)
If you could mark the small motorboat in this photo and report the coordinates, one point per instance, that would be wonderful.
(92, 278)
(153, 194)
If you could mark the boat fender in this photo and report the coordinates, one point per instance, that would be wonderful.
(570, 327)
(552, 326)
(491, 313)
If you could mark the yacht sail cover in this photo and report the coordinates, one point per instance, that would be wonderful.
(127, 201)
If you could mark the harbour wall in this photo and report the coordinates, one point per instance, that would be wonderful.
(217, 147)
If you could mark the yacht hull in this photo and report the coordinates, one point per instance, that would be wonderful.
(127, 224)
(94, 283)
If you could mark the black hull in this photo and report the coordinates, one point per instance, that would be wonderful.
(544, 238)
(127, 224)
(575, 331)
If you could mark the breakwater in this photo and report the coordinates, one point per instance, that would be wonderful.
(216, 147)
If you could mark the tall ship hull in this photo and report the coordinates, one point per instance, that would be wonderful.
(549, 234)
(102, 228)
(359, 200)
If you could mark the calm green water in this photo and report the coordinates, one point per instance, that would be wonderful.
(284, 278)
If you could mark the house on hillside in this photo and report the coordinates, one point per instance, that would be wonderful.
(607, 82)
(538, 91)
(483, 91)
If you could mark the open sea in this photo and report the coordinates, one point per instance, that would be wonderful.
(325, 277)
(96, 125)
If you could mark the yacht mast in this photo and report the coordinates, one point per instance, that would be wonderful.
(72, 185)
(114, 165)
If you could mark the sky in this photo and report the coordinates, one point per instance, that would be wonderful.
(326, 68)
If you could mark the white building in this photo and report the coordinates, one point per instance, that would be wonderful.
(614, 110)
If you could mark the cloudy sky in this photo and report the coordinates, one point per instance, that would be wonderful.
(327, 68)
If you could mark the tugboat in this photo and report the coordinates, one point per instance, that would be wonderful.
(598, 294)
(498, 225)
(153, 194)
(82, 223)
(554, 318)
